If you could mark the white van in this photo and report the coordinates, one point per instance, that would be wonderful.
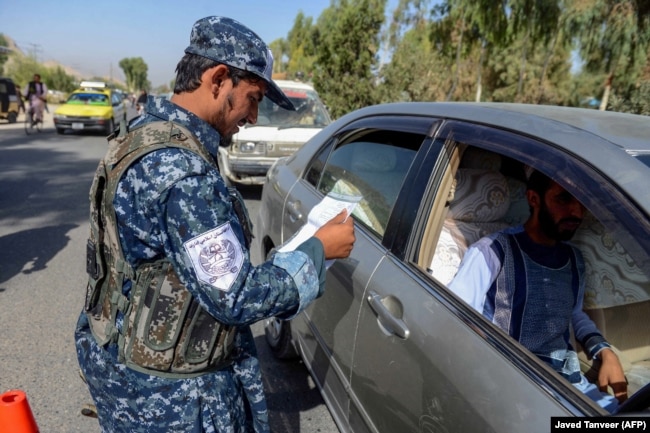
(277, 133)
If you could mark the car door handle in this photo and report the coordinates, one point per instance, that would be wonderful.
(293, 208)
(386, 318)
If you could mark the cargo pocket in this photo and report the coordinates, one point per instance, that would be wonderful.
(205, 343)
(160, 305)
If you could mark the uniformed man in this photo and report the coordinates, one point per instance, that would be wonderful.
(164, 340)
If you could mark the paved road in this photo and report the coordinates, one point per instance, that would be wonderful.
(44, 182)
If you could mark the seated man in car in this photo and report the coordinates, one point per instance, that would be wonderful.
(530, 283)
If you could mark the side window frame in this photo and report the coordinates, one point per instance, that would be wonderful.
(391, 124)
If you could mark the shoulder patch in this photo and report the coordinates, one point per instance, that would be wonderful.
(216, 256)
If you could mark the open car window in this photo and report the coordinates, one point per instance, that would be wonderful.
(483, 192)
(369, 164)
(310, 111)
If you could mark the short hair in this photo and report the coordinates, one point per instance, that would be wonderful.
(192, 66)
(37, 75)
(538, 182)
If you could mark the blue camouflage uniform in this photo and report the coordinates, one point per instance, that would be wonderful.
(163, 200)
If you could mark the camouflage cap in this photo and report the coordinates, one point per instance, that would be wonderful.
(227, 41)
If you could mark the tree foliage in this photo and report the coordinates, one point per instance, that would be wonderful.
(135, 70)
(562, 52)
(347, 43)
(3, 55)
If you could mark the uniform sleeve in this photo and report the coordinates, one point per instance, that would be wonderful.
(476, 273)
(202, 236)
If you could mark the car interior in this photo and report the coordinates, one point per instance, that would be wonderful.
(485, 192)
(88, 99)
(373, 167)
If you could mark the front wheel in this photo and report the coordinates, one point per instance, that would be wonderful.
(29, 123)
(110, 126)
(278, 336)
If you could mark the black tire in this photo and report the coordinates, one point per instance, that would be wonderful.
(110, 126)
(12, 117)
(60, 130)
(278, 336)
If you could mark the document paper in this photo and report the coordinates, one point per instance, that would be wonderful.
(324, 211)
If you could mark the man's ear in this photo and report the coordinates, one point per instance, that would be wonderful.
(534, 199)
(216, 77)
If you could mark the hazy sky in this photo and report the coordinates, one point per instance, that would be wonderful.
(93, 36)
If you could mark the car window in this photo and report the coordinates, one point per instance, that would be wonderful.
(88, 99)
(486, 194)
(310, 111)
(371, 165)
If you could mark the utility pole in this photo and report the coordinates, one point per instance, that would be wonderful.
(35, 50)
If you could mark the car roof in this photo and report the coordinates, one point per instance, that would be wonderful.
(293, 84)
(603, 139)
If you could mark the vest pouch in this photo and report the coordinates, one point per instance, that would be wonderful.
(205, 344)
(159, 306)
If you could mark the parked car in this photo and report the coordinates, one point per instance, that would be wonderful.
(277, 133)
(390, 347)
(9, 102)
(92, 107)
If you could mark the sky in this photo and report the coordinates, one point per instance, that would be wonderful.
(92, 36)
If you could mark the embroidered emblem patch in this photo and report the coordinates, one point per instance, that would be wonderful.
(216, 256)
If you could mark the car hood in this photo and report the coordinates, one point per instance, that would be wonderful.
(82, 110)
(297, 134)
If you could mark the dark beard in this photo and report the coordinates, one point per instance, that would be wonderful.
(550, 227)
(225, 141)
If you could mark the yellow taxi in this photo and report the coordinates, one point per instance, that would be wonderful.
(92, 107)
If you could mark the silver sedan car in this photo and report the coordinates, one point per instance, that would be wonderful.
(390, 346)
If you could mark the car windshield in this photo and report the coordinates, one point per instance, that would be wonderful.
(88, 99)
(310, 111)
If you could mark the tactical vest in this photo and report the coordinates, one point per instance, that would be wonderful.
(32, 89)
(165, 331)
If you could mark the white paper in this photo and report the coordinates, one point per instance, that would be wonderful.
(331, 205)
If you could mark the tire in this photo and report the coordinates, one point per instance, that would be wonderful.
(60, 130)
(278, 336)
(12, 117)
(110, 126)
(29, 127)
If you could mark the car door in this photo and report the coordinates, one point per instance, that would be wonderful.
(424, 360)
(370, 161)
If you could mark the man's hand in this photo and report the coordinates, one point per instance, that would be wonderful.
(611, 374)
(337, 236)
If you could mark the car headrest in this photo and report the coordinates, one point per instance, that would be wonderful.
(479, 196)
(475, 157)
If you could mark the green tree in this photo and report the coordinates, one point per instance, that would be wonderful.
(22, 68)
(280, 50)
(135, 71)
(637, 103)
(613, 41)
(58, 79)
(3, 54)
(484, 22)
(347, 42)
(300, 46)
(413, 72)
